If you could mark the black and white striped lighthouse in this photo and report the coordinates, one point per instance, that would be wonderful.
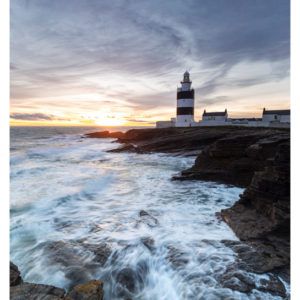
(185, 103)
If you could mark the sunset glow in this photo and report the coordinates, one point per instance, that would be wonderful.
(92, 63)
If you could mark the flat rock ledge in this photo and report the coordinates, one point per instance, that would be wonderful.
(20, 290)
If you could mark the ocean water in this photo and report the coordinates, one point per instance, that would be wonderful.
(68, 195)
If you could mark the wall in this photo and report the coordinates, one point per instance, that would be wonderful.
(216, 118)
(164, 124)
(280, 118)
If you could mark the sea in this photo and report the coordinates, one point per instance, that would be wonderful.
(68, 193)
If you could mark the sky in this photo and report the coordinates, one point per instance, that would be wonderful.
(113, 63)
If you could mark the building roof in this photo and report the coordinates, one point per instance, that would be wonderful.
(277, 112)
(216, 113)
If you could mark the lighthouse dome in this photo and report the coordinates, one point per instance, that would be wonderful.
(186, 73)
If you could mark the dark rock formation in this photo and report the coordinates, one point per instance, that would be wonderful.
(234, 159)
(148, 219)
(148, 242)
(127, 278)
(92, 290)
(32, 291)
(133, 278)
(181, 141)
(262, 215)
(20, 290)
(176, 256)
(69, 253)
(104, 135)
(126, 148)
(14, 276)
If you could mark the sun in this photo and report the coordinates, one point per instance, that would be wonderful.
(109, 120)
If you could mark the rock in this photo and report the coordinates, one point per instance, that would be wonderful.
(262, 215)
(237, 282)
(234, 159)
(14, 277)
(126, 148)
(104, 134)
(32, 291)
(133, 279)
(148, 219)
(273, 286)
(148, 242)
(127, 277)
(102, 252)
(69, 253)
(176, 256)
(179, 141)
(92, 290)
(20, 290)
(73, 258)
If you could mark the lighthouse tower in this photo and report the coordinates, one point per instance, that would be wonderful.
(185, 103)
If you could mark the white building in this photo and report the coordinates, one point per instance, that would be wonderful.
(214, 118)
(185, 113)
(276, 116)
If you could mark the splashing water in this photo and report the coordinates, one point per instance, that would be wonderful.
(80, 213)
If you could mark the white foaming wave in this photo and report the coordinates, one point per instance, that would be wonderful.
(101, 199)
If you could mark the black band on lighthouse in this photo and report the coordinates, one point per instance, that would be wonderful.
(185, 94)
(185, 111)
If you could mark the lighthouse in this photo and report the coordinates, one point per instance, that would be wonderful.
(185, 103)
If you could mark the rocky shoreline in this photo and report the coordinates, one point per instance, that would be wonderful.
(92, 290)
(257, 159)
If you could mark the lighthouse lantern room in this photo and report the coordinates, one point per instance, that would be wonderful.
(185, 103)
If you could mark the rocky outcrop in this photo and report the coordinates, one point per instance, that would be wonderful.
(20, 290)
(262, 215)
(234, 159)
(32, 291)
(14, 277)
(105, 135)
(92, 290)
(178, 141)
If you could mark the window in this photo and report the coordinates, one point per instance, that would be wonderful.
(275, 117)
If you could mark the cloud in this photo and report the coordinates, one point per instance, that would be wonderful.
(137, 121)
(31, 117)
(136, 51)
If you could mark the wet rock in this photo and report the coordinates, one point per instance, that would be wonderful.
(14, 276)
(32, 291)
(92, 290)
(258, 257)
(148, 242)
(64, 253)
(235, 158)
(78, 260)
(273, 286)
(126, 148)
(127, 278)
(148, 219)
(262, 215)
(237, 280)
(70, 253)
(237, 283)
(176, 256)
(102, 252)
(133, 279)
